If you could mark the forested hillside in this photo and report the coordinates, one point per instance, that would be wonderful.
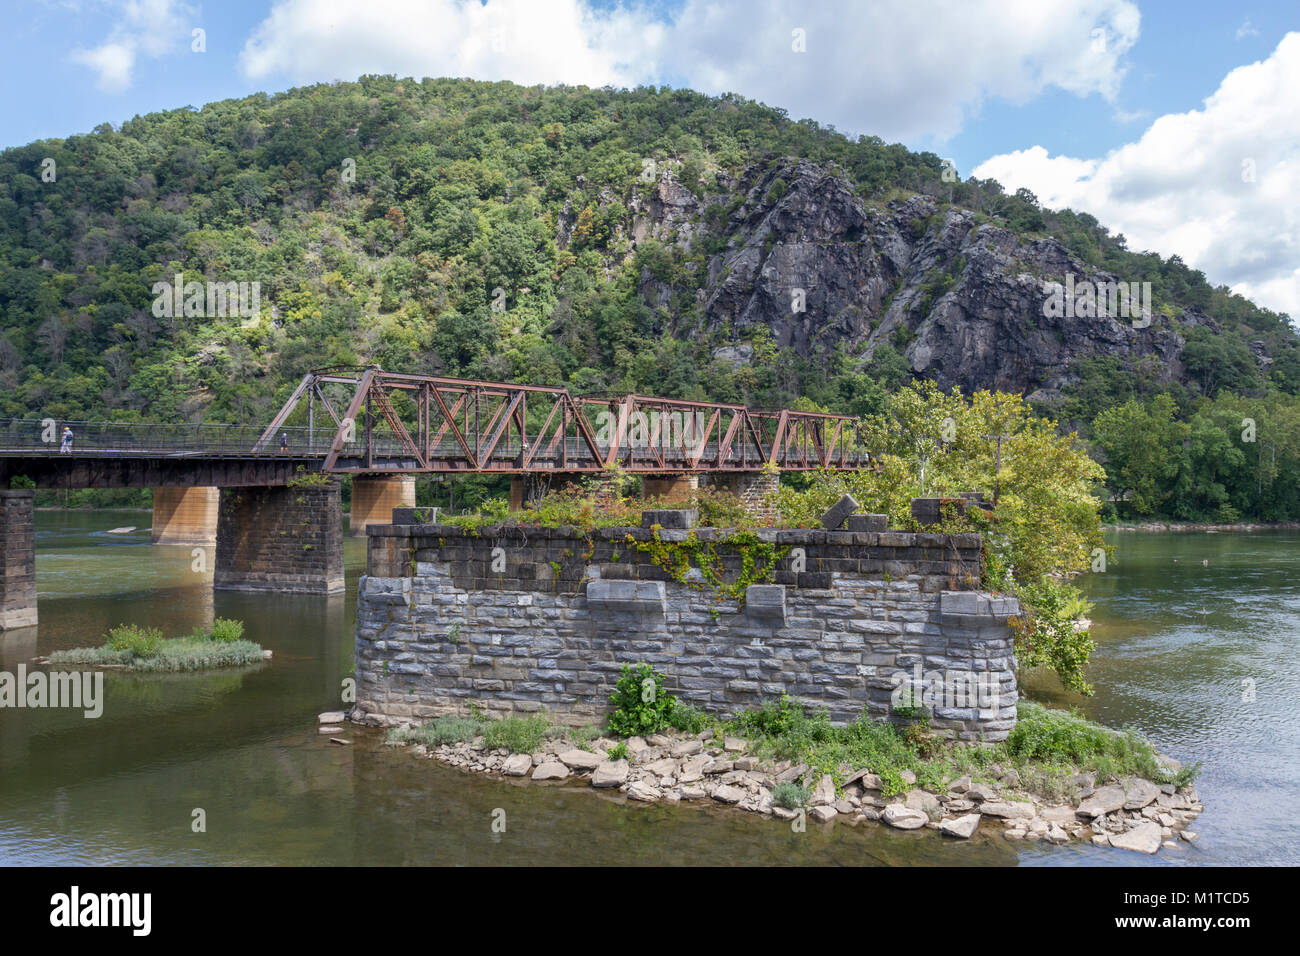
(656, 241)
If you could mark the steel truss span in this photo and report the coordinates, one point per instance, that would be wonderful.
(368, 421)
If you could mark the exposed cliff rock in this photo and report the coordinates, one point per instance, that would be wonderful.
(962, 300)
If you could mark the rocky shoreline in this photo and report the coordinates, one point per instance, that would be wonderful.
(1209, 528)
(1132, 814)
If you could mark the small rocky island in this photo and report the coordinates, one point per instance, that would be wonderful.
(850, 673)
(144, 649)
(1129, 813)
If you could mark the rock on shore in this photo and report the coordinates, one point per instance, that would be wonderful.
(1131, 814)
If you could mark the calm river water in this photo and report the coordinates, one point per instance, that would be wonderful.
(1177, 642)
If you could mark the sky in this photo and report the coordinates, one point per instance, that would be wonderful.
(1176, 123)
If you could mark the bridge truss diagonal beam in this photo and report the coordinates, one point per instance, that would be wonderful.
(405, 423)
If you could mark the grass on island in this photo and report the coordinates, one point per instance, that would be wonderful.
(145, 649)
(1046, 748)
(521, 735)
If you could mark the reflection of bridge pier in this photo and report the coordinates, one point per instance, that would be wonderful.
(17, 560)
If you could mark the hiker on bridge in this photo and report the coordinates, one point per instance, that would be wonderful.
(66, 447)
(284, 441)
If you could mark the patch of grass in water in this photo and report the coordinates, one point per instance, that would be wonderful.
(144, 649)
(173, 656)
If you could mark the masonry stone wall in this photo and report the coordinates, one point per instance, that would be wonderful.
(514, 620)
(280, 538)
(756, 490)
(17, 559)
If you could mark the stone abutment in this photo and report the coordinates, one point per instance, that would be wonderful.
(519, 619)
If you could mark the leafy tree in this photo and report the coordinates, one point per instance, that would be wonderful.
(1143, 451)
(1046, 524)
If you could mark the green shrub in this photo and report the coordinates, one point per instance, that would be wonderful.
(21, 481)
(689, 719)
(908, 707)
(641, 705)
(139, 641)
(790, 795)
(772, 719)
(721, 509)
(1047, 634)
(225, 630)
(1058, 737)
(491, 512)
(618, 751)
(584, 735)
(307, 479)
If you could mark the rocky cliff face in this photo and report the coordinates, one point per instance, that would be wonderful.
(962, 301)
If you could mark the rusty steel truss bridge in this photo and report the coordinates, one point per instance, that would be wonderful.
(365, 421)
(376, 422)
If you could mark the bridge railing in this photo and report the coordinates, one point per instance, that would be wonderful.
(36, 436)
(39, 437)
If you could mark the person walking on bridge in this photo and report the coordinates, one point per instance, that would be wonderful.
(66, 447)
(284, 441)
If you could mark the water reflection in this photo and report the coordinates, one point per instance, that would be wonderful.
(243, 746)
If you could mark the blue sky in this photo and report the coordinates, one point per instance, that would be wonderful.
(1016, 88)
(1183, 53)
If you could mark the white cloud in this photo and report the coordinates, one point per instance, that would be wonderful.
(112, 61)
(901, 69)
(522, 40)
(1126, 116)
(144, 28)
(1219, 186)
(1247, 29)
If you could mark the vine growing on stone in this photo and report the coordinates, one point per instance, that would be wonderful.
(758, 560)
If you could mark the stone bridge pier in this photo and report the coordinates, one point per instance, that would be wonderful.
(280, 538)
(373, 501)
(669, 487)
(17, 559)
(185, 515)
(754, 488)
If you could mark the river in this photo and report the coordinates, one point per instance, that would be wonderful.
(228, 767)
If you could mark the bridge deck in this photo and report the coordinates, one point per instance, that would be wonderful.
(369, 422)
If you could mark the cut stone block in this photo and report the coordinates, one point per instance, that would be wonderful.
(642, 597)
(680, 519)
(868, 523)
(766, 601)
(416, 515)
(839, 511)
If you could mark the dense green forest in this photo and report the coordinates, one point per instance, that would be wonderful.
(484, 230)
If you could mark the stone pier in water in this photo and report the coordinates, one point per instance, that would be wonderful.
(280, 538)
(185, 515)
(373, 500)
(514, 620)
